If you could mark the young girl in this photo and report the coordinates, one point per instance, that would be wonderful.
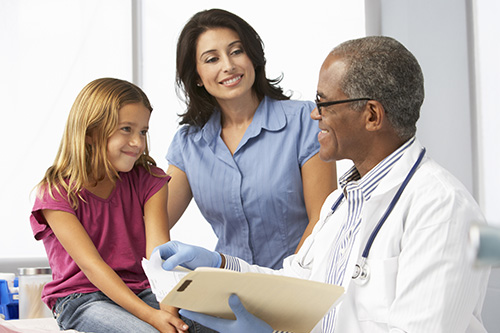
(101, 208)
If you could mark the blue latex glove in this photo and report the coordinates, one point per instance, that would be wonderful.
(176, 253)
(245, 321)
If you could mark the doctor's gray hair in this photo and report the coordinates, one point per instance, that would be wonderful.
(383, 69)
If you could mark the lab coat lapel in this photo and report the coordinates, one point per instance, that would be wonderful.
(384, 193)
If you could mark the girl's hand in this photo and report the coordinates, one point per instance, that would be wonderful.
(173, 310)
(167, 320)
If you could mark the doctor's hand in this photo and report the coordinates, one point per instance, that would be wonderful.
(245, 321)
(176, 253)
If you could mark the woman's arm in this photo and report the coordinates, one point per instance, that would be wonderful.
(180, 194)
(319, 179)
(75, 240)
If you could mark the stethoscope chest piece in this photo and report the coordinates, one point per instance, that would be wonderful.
(361, 274)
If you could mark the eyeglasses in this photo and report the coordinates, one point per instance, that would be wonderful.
(319, 105)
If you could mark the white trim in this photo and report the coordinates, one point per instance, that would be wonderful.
(137, 48)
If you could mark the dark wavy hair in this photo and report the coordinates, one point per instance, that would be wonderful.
(200, 104)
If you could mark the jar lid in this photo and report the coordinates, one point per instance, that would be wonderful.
(34, 270)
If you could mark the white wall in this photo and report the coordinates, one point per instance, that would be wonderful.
(456, 43)
(52, 48)
(49, 51)
(487, 60)
(436, 33)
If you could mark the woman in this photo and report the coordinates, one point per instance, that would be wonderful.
(247, 153)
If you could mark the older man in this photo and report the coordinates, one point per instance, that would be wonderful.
(395, 234)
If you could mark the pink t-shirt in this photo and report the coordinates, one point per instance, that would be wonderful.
(115, 225)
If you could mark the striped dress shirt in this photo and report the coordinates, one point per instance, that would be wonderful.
(356, 191)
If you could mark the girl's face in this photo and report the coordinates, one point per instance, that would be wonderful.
(223, 66)
(128, 141)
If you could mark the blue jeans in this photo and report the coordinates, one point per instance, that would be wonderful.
(95, 312)
(195, 327)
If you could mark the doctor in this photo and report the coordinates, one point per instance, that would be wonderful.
(395, 233)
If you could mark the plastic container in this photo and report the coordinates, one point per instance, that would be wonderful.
(9, 296)
(31, 282)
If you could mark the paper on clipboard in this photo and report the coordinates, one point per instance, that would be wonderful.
(160, 280)
(285, 303)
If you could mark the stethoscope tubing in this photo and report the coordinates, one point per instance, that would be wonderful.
(389, 209)
(392, 205)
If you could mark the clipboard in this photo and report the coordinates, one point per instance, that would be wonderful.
(285, 303)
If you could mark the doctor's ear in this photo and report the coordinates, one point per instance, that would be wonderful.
(375, 115)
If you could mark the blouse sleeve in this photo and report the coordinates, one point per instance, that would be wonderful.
(308, 144)
(174, 154)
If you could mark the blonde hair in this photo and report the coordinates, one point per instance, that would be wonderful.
(93, 114)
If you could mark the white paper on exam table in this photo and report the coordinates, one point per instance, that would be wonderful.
(161, 281)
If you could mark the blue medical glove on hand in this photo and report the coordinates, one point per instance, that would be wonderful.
(176, 253)
(245, 321)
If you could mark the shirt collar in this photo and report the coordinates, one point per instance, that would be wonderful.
(370, 181)
(269, 115)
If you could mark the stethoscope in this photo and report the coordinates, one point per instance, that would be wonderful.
(361, 270)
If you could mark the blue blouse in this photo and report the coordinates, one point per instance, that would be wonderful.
(253, 199)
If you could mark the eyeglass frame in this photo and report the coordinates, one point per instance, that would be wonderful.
(319, 105)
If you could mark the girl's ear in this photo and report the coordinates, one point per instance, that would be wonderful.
(88, 139)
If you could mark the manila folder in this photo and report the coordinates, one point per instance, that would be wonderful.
(285, 303)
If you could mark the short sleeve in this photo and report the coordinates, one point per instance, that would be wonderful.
(150, 183)
(308, 144)
(174, 154)
(43, 201)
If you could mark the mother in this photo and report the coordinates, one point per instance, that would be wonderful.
(246, 153)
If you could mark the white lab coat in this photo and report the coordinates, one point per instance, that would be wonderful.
(420, 278)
